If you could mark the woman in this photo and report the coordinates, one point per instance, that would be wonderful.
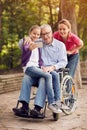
(72, 42)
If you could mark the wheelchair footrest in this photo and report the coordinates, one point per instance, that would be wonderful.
(17, 113)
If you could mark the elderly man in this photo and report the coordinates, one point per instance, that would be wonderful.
(54, 57)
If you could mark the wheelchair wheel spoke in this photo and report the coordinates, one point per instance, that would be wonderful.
(68, 94)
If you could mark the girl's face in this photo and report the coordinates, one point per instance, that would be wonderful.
(63, 30)
(35, 34)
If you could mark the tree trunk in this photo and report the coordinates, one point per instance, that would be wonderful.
(67, 8)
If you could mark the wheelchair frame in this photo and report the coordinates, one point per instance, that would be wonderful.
(69, 95)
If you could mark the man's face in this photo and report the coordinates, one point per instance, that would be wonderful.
(46, 34)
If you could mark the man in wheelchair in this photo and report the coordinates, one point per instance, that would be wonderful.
(54, 57)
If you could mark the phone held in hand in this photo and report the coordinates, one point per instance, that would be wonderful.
(39, 44)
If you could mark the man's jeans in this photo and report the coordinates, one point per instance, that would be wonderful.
(72, 63)
(36, 72)
(28, 82)
(56, 85)
(25, 92)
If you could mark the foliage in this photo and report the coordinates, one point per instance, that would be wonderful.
(82, 26)
(17, 16)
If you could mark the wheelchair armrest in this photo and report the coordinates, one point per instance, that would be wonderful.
(63, 69)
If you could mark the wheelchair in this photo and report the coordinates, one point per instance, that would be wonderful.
(69, 96)
(69, 92)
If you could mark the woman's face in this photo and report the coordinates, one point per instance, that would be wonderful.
(63, 30)
(35, 34)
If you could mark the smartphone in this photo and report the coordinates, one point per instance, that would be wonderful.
(39, 44)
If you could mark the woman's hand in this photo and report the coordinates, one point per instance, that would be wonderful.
(32, 46)
(69, 52)
(27, 40)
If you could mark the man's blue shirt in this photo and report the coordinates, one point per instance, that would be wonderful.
(54, 54)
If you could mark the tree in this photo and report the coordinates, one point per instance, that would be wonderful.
(0, 18)
(82, 26)
(17, 16)
(68, 12)
(0, 22)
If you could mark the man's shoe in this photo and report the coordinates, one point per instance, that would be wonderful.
(64, 107)
(36, 114)
(58, 103)
(54, 108)
(21, 112)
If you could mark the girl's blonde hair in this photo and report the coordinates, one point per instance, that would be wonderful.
(34, 27)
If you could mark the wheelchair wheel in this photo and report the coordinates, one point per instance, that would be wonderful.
(69, 94)
(55, 116)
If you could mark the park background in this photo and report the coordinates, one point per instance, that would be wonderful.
(17, 16)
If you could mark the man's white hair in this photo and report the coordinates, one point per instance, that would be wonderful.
(46, 26)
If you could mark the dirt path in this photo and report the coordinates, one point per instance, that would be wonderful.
(76, 121)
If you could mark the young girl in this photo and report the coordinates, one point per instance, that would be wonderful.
(31, 62)
(72, 42)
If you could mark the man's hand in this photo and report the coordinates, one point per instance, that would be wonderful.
(48, 68)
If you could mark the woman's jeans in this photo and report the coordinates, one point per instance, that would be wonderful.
(36, 72)
(72, 63)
